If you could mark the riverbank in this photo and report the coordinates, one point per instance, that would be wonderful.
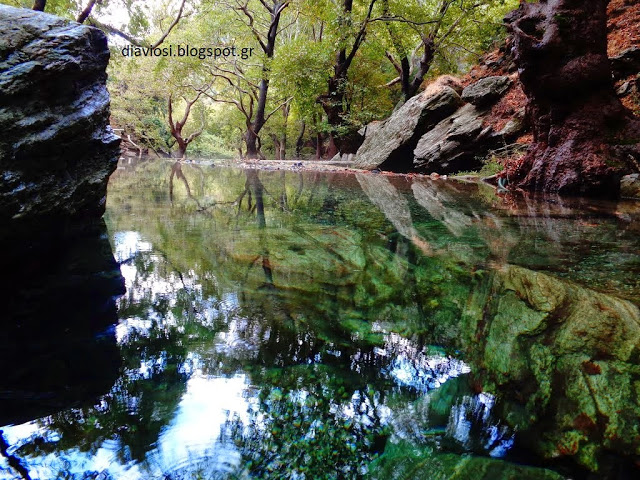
(310, 166)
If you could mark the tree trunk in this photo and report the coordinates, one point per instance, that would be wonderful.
(182, 149)
(410, 85)
(176, 126)
(334, 102)
(251, 141)
(283, 141)
(318, 146)
(584, 140)
(276, 147)
(251, 136)
(300, 140)
(86, 12)
(332, 149)
(268, 47)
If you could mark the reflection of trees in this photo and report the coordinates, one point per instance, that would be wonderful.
(310, 421)
(256, 191)
(318, 274)
(155, 368)
(532, 329)
(310, 353)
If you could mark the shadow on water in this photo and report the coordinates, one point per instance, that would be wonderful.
(58, 344)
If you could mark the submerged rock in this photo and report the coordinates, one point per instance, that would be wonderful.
(57, 149)
(391, 144)
(568, 356)
(402, 460)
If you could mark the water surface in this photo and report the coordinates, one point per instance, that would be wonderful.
(307, 325)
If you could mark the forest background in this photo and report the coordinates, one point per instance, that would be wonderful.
(319, 71)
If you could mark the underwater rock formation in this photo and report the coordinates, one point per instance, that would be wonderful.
(565, 359)
(56, 147)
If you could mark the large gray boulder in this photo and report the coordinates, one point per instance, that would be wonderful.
(452, 145)
(630, 186)
(56, 148)
(370, 128)
(461, 141)
(390, 145)
(626, 63)
(486, 91)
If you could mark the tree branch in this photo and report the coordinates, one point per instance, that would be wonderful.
(86, 12)
(395, 64)
(114, 31)
(173, 24)
(359, 37)
(284, 102)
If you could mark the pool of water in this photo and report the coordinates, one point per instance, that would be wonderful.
(308, 325)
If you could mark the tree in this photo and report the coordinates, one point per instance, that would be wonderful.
(420, 31)
(334, 101)
(316, 67)
(412, 36)
(137, 20)
(137, 11)
(177, 126)
(248, 94)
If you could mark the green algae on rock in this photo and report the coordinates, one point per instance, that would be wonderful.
(572, 353)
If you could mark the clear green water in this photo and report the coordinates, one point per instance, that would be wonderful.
(307, 325)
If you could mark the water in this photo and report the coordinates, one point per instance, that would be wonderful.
(307, 325)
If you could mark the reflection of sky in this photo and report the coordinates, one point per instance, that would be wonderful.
(127, 244)
(413, 368)
(497, 439)
(189, 440)
(193, 433)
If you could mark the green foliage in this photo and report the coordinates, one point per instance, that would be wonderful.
(311, 33)
(490, 166)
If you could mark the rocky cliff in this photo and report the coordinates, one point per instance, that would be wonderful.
(491, 115)
(584, 139)
(56, 147)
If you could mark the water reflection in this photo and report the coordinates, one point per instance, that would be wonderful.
(297, 325)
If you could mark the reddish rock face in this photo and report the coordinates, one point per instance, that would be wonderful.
(584, 139)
